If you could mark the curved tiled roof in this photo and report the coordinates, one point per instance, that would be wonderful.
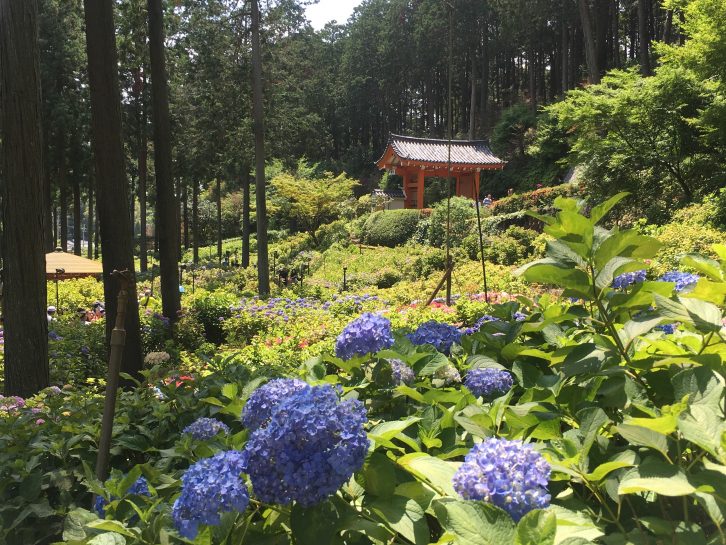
(468, 152)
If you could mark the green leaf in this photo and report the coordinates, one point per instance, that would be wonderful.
(550, 272)
(665, 424)
(433, 471)
(113, 526)
(315, 525)
(379, 473)
(474, 523)
(75, 523)
(656, 476)
(626, 244)
(638, 435)
(404, 516)
(598, 212)
(701, 385)
(107, 539)
(230, 391)
(574, 525)
(385, 431)
(705, 266)
(536, 528)
(614, 267)
(603, 470)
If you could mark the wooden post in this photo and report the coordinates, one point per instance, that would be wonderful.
(458, 185)
(420, 190)
(477, 182)
(118, 340)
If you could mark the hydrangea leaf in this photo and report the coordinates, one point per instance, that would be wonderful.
(404, 516)
(379, 473)
(536, 528)
(656, 476)
(474, 523)
(432, 471)
(638, 435)
(113, 526)
(316, 525)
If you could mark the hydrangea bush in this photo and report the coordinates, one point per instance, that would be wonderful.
(488, 383)
(366, 335)
(440, 335)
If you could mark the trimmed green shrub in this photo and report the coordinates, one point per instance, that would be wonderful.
(390, 227)
(540, 200)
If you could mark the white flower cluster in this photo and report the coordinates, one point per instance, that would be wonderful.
(155, 358)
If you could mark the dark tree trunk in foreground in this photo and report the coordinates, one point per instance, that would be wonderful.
(258, 122)
(167, 224)
(111, 184)
(589, 38)
(23, 244)
(63, 192)
(246, 217)
(185, 215)
(644, 38)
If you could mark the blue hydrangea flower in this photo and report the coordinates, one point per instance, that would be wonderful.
(668, 329)
(682, 280)
(263, 401)
(519, 316)
(488, 383)
(401, 373)
(205, 428)
(310, 448)
(624, 280)
(480, 322)
(438, 334)
(210, 487)
(139, 488)
(365, 335)
(508, 474)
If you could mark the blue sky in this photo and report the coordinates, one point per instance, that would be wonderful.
(327, 10)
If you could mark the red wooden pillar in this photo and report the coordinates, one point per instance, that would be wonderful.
(420, 190)
(476, 184)
(458, 185)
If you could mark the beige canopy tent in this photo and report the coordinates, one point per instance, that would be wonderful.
(73, 266)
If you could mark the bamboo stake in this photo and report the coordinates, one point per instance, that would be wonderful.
(118, 340)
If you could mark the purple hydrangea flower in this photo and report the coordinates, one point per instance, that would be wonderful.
(210, 487)
(310, 448)
(139, 488)
(53, 336)
(367, 334)
(682, 280)
(401, 373)
(508, 474)
(264, 401)
(438, 334)
(624, 280)
(480, 322)
(205, 428)
(519, 316)
(488, 383)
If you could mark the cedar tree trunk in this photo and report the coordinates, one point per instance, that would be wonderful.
(23, 244)
(111, 185)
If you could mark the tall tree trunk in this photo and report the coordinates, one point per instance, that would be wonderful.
(89, 224)
(111, 184)
(55, 227)
(484, 91)
(219, 219)
(24, 287)
(77, 231)
(668, 27)
(195, 221)
(167, 222)
(565, 53)
(472, 99)
(263, 266)
(185, 214)
(531, 73)
(589, 38)
(96, 231)
(143, 153)
(644, 38)
(246, 216)
(50, 238)
(63, 191)
(602, 28)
